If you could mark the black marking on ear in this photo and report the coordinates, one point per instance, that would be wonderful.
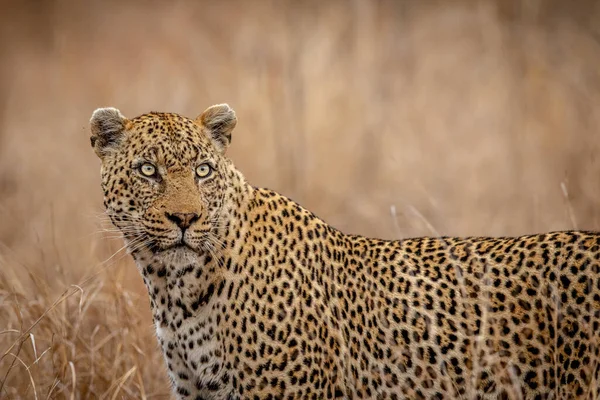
(107, 127)
(219, 121)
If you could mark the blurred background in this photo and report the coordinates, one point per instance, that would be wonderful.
(385, 118)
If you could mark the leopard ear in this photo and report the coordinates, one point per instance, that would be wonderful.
(218, 121)
(107, 127)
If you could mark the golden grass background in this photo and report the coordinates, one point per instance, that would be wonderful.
(385, 118)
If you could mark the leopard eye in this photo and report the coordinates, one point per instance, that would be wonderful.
(148, 169)
(203, 170)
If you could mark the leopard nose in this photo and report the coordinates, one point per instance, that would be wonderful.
(183, 220)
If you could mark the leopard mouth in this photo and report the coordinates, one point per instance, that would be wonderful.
(181, 244)
(159, 245)
(177, 245)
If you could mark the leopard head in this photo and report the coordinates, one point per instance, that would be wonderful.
(166, 179)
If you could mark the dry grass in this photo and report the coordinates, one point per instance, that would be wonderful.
(388, 118)
(90, 341)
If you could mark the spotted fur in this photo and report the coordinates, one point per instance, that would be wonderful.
(257, 298)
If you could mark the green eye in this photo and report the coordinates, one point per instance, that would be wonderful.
(148, 169)
(203, 170)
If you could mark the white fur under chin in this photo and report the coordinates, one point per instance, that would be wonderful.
(178, 256)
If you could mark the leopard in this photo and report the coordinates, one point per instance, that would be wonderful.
(255, 297)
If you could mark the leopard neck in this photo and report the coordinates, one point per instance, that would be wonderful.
(187, 282)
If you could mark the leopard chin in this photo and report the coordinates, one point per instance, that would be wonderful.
(179, 255)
